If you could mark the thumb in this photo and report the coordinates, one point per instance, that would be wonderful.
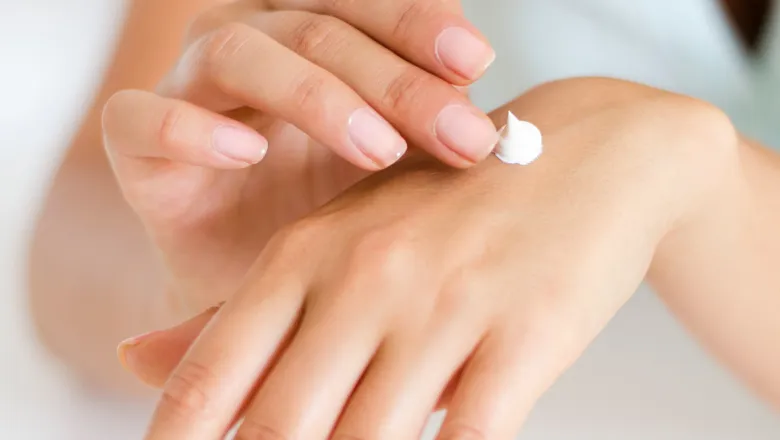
(153, 356)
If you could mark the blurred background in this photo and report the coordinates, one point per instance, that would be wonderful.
(644, 378)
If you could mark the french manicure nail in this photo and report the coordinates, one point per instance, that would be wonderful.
(466, 131)
(464, 53)
(375, 138)
(239, 144)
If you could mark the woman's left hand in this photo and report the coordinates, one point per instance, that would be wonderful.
(478, 288)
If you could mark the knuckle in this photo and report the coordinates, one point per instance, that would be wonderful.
(386, 254)
(461, 294)
(292, 240)
(555, 292)
(548, 301)
(404, 90)
(189, 391)
(333, 6)
(317, 35)
(408, 13)
(308, 91)
(221, 46)
(254, 430)
(168, 131)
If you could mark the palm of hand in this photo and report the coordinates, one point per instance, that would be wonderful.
(214, 223)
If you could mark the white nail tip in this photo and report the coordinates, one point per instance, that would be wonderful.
(520, 143)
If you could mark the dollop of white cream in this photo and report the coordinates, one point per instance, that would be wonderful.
(520, 142)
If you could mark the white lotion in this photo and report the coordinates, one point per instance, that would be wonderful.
(520, 143)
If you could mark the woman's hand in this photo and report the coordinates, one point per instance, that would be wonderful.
(345, 73)
(476, 287)
(306, 75)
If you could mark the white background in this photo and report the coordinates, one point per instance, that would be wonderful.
(643, 379)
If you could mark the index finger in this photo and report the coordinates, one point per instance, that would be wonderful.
(433, 34)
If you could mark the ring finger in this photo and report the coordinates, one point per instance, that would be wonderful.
(433, 34)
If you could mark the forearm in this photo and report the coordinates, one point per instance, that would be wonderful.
(721, 274)
(93, 275)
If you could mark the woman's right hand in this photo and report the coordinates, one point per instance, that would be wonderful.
(315, 79)
(348, 74)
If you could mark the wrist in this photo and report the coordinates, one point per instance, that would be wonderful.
(713, 227)
(666, 155)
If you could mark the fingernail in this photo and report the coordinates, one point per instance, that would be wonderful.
(466, 131)
(125, 348)
(464, 53)
(239, 144)
(375, 138)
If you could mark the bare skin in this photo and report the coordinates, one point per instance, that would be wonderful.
(694, 196)
(724, 200)
(127, 295)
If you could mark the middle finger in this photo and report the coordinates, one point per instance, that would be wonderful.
(433, 34)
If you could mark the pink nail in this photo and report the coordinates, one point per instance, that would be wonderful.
(464, 53)
(239, 144)
(375, 138)
(466, 131)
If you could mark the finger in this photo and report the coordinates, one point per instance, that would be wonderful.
(405, 381)
(153, 357)
(238, 65)
(305, 393)
(502, 382)
(207, 390)
(432, 34)
(446, 395)
(427, 110)
(140, 126)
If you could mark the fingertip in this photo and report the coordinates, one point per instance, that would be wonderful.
(466, 132)
(375, 138)
(152, 357)
(122, 353)
(130, 353)
(239, 146)
(141, 125)
(464, 52)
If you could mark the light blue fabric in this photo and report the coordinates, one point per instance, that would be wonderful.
(768, 108)
(685, 46)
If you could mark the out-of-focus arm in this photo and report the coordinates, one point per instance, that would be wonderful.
(93, 275)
